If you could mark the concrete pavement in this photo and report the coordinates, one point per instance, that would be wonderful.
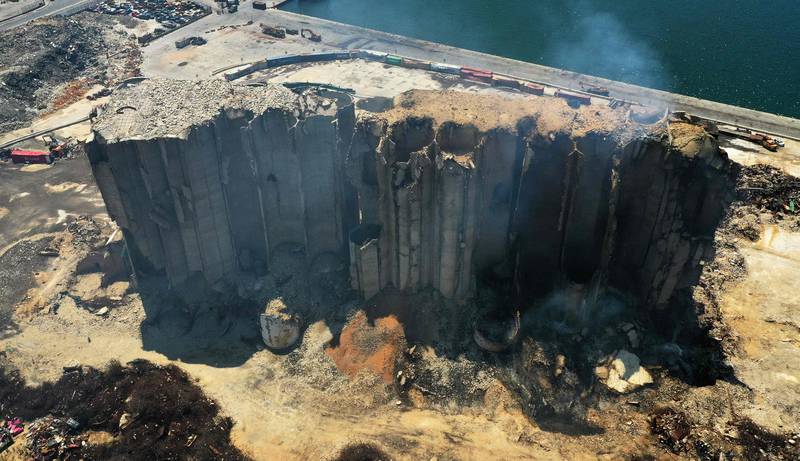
(50, 8)
(12, 9)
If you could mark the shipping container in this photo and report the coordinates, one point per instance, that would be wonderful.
(319, 57)
(415, 64)
(284, 60)
(445, 68)
(393, 60)
(476, 75)
(371, 55)
(505, 82)
(532, 88)
(30, 156)
(575, 97)
(475, 70)
(344, 55)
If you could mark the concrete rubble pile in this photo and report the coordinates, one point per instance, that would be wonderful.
(208, 178)
(57, 51)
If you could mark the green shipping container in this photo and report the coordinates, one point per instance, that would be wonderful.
(394, 60)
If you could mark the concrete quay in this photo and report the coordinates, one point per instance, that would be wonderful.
(342, 36)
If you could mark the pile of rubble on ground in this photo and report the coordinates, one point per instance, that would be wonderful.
(143, 411)
(40, 63)
(769, 188)
(10, 428)
(55, 438)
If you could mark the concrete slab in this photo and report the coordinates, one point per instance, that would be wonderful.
(762, 312)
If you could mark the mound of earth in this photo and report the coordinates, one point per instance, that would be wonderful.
(364, 345)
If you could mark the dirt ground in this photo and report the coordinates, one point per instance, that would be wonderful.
(488, 111)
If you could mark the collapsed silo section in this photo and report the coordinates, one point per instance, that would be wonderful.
(207, 178)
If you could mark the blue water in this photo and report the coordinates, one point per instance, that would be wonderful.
(741, 52)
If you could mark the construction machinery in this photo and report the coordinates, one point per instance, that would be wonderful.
(764, 140)
(58, 147)
(277, 32)
(311, 35)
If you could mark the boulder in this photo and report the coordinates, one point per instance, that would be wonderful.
(623, 372)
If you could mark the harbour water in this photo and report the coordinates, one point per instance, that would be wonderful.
(737, 52)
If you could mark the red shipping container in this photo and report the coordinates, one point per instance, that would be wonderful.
(532, 88)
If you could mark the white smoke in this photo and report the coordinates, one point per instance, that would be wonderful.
(600, 44)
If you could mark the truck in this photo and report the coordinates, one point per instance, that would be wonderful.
(31, 156)
(765, 141)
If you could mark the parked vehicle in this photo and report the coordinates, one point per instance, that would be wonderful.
(31, 156)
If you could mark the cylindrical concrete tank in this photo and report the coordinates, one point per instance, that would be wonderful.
(280, 329)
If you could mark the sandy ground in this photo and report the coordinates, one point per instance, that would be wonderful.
(39, 198)
(763, 312)
(279, 415)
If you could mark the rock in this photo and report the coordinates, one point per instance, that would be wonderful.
(624, 373)
(117, 290)
(561, 362)
(103, 311)
(633, 339)
(72, 366)
(601, 373)
(125, 420)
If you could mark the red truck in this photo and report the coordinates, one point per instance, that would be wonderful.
(31, 156)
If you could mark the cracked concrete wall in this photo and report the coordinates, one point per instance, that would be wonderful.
(449, 204)
(414, 203)
(217, 198)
